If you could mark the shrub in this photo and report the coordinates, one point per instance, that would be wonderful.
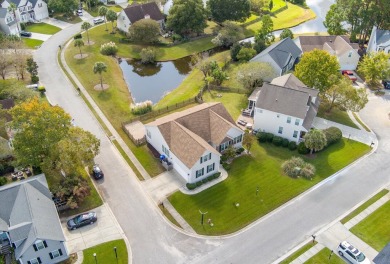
(34, 79)
(223, 158)
(148, 55)
(3, 181)
(234, 50)
(296, 167)
(23, 26)
(226, 166)
(210, 178)
(177, 37)
(270, 137)
(240, 150)
(216, 175)
(78, 36)
(199, 183)
(292, 145)
(333, 135)
(141, 108)
(191, 186)
(205, 180)
(261, 136)
(277, 141)
(285, 142)
(308, 171)
(245, 54)
(302, 149)
(108, 49)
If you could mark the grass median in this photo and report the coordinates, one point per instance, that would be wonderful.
(43, 28)
(324, 256)
(105, 253)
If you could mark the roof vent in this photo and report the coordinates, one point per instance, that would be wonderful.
(276, 99)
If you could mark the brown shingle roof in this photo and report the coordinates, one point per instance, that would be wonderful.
(309, 43)
(137, 12)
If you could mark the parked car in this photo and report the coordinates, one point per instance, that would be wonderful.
(350, 75)
(352, 254)
(98, 20)
(25, 34)
(386, 84)
(79, 12)
(81, 220)
(97, 173)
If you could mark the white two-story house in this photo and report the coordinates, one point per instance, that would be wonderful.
(29, 223)
(379, 41)
(192, 139)
(286, 108)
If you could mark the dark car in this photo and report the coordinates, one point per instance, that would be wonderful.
(97, 173)
(25, 34)
(350, 75)
(386, 84)
(81, 220)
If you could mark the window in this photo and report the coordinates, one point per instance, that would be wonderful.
(55, 253)
(199, 173)
(277, 115)
(148, 134)
(39, 244)
(295, 134)
(259, 111)
(297, 122)
(40, 5)
(288, 120)
(280, 131)
(35, 261)
(350, 54)
(205, 158)
(165, 150)
(210, 167)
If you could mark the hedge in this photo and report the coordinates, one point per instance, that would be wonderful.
(277, 141)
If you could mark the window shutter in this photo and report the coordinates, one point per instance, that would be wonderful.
(60, 251)
(201, 159)
(51, 255)
(35, 247)
(213, 166)
(39, 260)
(28, 262)
(209, 156)
(44, 243)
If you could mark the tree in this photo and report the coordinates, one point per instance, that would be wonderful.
(39, 127)
(217, 74)
(102, 11)
(32, 67)
(252, 74)
(265, 32)
(248, 140)
(79, 43)
(85, 26)
(375, 67)
(333, 21)
(271, 5)
(286, 33)
(343, 95)
(63, 6)
(111, 16)
(12, 9)
(316, 69)
(73, 189)
(234, 50)
(145, 31)
(16, 90)
(229, 34)
(20, 63)
(99, 68)
(315, 140)
(245, 54)
(187, 16)
(5, 62)
(257, 6)
(230, 152)
(235, 10)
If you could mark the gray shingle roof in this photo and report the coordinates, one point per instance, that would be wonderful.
(28, 212)
(3, 12)
(384, 256)
(382, 36)
(309, 118)
(136, 12)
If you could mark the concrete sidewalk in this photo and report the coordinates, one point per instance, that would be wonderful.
(55, 22)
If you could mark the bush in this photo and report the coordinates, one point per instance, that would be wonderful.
(141, 108)
(41, 89)
(78, 36)
(261, 136)
(234, 50)
(177, 37)
(245, 54)
(3, 181)
(292, 145)
(205, 180)
(109, 49)
(226, 166)
(199, 183)
(308, 171)
(285, 142)
(223, 158)
(23, 26)
(270, 137)
(191, 186)
(210, 178)
(277, 141)
(296, 167)
(240, 150)
(302, 149)
(34, 79)
(333, 135)
(216, 175)
(148, 55)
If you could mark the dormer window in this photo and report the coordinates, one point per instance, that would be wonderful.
(39, 244)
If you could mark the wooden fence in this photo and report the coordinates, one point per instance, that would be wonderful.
(226, 89)
(136, 141)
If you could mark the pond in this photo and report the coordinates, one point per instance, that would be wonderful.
(153, 81)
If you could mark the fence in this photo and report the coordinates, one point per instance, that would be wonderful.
(227, 89)
(137, 141)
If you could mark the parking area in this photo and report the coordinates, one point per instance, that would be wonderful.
(105, 229)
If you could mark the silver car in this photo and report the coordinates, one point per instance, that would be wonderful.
(352, 254)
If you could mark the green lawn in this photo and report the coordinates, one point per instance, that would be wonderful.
(43, 28)
(364, 206)
(105, 253)
(360, 122)
(73, 19)
(261, 169)
(323, 257)
(375, 229)
(233, 102)
(32, 43)
(297, 253)
(337, 116)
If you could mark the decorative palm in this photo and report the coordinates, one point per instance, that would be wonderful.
(103, 12)
(85, 26)
(79, 43)
(99, 68)
(111, 16)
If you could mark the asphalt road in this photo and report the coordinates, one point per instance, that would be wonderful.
(153, 240)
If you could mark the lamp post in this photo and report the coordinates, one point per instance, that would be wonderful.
(116, 255)
(202, 216)
(94, 255)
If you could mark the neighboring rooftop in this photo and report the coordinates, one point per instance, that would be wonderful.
(382, 36)
(384, 256)
(337, 44)
(291, 81)
(136, 12)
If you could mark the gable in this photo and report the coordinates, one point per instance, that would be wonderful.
(136, 12)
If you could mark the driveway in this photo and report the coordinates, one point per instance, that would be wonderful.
(40, 36)
(105, 229)
(55, 22)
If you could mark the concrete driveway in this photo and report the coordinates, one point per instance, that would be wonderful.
(105, 229)
(40, 36)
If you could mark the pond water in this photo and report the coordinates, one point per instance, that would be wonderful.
(154, 81)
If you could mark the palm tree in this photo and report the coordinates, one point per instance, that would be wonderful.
(111, 16)
(99, 68)
(12, 8)
(315, 140)
(103, 12)
(79, 43)
(85, 26)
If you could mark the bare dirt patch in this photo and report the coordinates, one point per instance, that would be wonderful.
(98, 87)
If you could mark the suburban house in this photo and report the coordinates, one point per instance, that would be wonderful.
(282, 56)
(383, 256)
(339, 46)
(285, 107)
(379, 40)
(29, 222)
(27, 11)
(136, 12)
(193, 139)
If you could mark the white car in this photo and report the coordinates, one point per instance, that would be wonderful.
(79, 12)
(98, 20)
(352, 254)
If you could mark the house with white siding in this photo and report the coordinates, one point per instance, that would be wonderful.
(192, 140)
(379, 41)
(286, 108)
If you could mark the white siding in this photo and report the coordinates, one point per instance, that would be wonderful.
(43, 254)
(235, 132)
(123, 23)
(215, 158)
(268, 121)
(349, 60)
(41, 10)
(266, 58)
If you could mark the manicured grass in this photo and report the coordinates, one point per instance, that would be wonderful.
(169, 216)
(105, 253)
(337, 116)
(375, 229)
(261, 169)
(115, 8)
(323, 257)
(360, 122)
(73, 19)
(299, 252)
(32, 43)
(43, 28)
(233, 102)
(364, 206)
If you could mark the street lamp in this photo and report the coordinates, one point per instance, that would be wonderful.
(202, 217)
(116, 255)
(94, 255)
